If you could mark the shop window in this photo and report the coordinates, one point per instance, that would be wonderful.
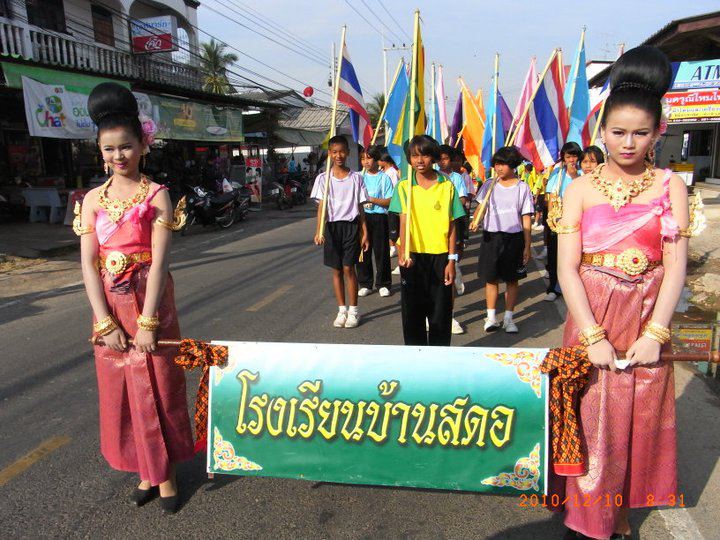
(48, 14)
(700, 143)
(103, 26)
(4, 9)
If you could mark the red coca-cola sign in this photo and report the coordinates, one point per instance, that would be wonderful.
(154, 34)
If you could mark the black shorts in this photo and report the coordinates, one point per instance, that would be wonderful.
(342, 244)
(501, 257)
(462, 229)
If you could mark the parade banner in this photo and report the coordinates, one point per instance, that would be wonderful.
(454, 418)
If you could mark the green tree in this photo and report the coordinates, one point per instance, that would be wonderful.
(375, 108)
(214, 60)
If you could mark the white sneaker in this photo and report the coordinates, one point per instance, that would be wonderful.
(459, 285)
(544, 274)
(510, 327)
(456, 328)
(383, 291)
(393, 251)
(550, 297)
(339, 321)
(543, 254)
(364, 291)
(491, 325)
(396, 272)
(538, 227)
(353, 320)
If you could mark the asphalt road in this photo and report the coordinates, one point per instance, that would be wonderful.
(48, 400)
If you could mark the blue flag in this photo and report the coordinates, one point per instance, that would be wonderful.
(577, 97)
(493, 112)
(393, 112)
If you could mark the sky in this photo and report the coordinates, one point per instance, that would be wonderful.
(462, 35)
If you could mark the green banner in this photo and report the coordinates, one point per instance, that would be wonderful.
(191, 121)
(73, 82)
(456, 418)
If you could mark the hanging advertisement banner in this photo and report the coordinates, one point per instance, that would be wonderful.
(698, 74)
(694, 106)
(154, 34)
(451, 418)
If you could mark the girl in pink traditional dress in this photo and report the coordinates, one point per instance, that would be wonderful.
(124, 224)
(622, 258)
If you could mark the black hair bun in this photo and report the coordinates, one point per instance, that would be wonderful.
(643, 68)
(111, 99)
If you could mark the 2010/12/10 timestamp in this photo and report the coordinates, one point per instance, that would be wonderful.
(607, 500)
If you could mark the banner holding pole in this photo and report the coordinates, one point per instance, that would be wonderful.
(384, 415)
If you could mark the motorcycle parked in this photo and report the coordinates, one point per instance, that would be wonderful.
(221, 209)
(280, 191)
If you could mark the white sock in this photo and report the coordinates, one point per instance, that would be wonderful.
(342, 309)
(508, 315)
(353, 310)
(491, 314)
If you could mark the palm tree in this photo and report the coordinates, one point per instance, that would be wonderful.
(214, 60)
(375, 108)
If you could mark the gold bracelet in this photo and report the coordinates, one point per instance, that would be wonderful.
(657, 332)
(592, 335)
(104, 326)
(148, 323)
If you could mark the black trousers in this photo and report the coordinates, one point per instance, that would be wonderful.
(377, 226)
(551, 243)
(424, 295)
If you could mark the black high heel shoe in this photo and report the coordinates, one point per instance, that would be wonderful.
(169, 505)
(141, 497)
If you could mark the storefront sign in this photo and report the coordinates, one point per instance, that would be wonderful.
(190, 121)
(694, 106)
(699, 74)
(154, 34)
(693, 337)
(453, 418)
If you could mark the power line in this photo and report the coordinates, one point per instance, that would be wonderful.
(301, 53)
(371, 10)
(382, 5)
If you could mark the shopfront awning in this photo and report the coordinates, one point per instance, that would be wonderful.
(300, 137)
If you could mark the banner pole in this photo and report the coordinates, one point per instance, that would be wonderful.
(413, 88)
(495, 102)
(601, 114)
(333, 120)
(511, 139)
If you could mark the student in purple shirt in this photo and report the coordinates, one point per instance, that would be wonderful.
(345, 232)
(505, 245)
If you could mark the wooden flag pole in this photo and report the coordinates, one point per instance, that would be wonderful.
(495, 102)
(511, 138)
(432, 100)
(596, 129)
(333, 120)
(413, 88)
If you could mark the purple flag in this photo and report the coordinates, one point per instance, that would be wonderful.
(457, 122)
(505, 114)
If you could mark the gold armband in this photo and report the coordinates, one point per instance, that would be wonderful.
(104, 326)
(148, 323)
(555, 212)
(179, 217)
(698, 221)
(657, 332)
(592, 335)
(567, 229)
(77, 222)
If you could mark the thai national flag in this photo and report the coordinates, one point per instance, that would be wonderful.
(597, 101)
(350, 94)
(542, 133)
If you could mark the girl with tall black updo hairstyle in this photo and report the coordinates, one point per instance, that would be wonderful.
(621, 264)
(125, 227)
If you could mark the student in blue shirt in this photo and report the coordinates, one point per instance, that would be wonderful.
(380, 190)
(565, 172)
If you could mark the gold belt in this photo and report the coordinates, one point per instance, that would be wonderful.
(632, 261)
(117, 262)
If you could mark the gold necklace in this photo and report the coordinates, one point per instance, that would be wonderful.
(115, 208)
(619, 192)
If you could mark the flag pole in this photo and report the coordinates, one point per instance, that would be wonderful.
(385, 105)
(413, 88)
(495, 102)
(333, 119)
(577, 70)
(464, 88)
(599, 121)
(511, 139)
(432, 101)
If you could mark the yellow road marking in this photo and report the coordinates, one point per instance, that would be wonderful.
(32, 457)
(270, 298)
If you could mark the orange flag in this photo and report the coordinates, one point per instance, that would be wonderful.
(473, 129)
